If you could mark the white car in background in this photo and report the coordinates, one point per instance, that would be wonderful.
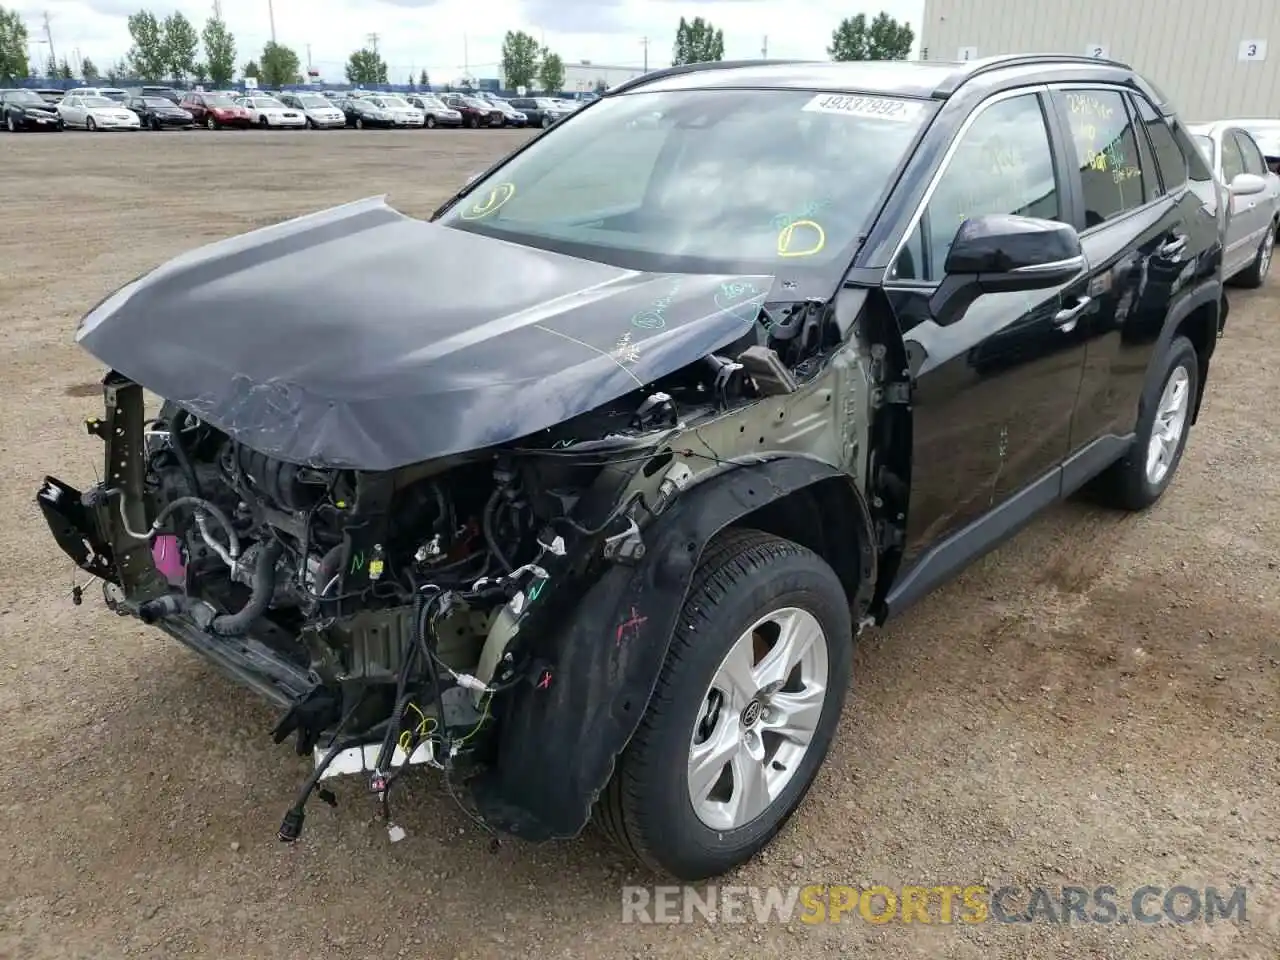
(320, 112)
(1254, 217)
(270, 112)
(111, 93)
(96, 113)
(398, 110)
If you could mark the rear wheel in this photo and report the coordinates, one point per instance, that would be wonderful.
(1138, 479)
(743, 714)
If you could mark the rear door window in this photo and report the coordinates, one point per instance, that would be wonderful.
(1106, 148)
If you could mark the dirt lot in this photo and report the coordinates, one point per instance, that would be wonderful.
(1094, 704)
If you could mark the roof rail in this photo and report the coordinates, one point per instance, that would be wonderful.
(999, 62)
(684, 68)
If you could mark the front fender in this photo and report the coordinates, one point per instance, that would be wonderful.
(558, 742)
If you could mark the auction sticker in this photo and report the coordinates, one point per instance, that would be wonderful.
(869, 108)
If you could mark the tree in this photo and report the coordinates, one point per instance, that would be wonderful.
(280, 65)
(551, 73)
(366, 66)
(64, 70)
(148, 57)
(200, 73)
(424, 81)
(180, 45)
(219, 52)
(117, 72)
(88, 70)
(13, 46)
(697, 41)
(519, 59)
(884, 39)
(51, 69)
(251, 69)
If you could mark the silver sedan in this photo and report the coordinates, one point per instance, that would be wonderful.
(1254, 218)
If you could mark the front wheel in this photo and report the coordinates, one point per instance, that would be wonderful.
(9, 123)
(546, 122)
(429, 123)
(359, 123)
(155, 124)
(211, 123)
(1137, 480)
(743, 714)
(1256, 275)
(90, 124)
(474, 123)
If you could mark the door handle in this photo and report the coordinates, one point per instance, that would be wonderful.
(1066, 319)
(1174, 247)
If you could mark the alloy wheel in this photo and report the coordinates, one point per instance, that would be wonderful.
(758, 718)
(1170, 420)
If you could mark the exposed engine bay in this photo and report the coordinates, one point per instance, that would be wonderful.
(383, 610)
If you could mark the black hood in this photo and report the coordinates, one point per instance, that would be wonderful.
(359, 337)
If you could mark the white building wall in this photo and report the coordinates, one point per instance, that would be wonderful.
(1212, 59)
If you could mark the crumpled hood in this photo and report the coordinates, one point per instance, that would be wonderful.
(359, 337)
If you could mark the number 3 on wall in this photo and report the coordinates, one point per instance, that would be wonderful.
(1253, 50)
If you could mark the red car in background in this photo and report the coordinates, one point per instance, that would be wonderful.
(215, 111)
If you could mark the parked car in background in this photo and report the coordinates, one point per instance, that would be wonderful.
(111, 93)
(319, 112)
(1266, 134)
(541, 111)
(156, 113)
(96, 113)
(511, 117)
(361, 112)
(216, 110)
(168, 93)
(50, 95)
(401, 111)
(475, 112)
(27, 110)
(435, 113)
(267, 111)
(1254, 216)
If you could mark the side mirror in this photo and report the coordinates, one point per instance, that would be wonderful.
(1003, 253)
(1247, 185)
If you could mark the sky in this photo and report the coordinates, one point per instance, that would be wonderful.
(447, 36)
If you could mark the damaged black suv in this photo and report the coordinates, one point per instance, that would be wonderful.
(748, 357)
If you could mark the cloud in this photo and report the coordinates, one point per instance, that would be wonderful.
(446, 36)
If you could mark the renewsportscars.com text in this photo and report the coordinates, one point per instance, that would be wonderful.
(941, 904)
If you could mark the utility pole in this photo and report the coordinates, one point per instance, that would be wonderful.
(48, 35)
(764, 48)
(466, 58)
(271, 13)
(308, 59)
(373, 42)
(644, 42)
(217, 9)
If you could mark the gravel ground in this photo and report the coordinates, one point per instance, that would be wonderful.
(1093, 704)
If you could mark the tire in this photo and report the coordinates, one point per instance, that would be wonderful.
(1256, 275)
(1128, 484)
(430, 122)
(211, 123)
(474, 123)
(262, 122)
(546, 121)
(647, 808)
(9, 124)
(90, 124)
(310, 124)
(155, 124)
(359, 123)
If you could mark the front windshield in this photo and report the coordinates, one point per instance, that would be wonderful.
(473, 102)
(269, 102)
(219, 101)
(98, 102)
(117, 95)
(157, 102)
(431, 103)
(314, 101)
(395, 103)
(26, 96)
(727, 177)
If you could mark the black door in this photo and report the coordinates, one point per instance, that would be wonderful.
(1136, 231)
(994, 391)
